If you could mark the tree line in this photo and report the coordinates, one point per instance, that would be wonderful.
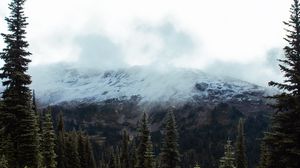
(28, 140)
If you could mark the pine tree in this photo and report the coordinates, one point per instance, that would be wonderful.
(143, 136)
(72, 156)
(91, 163)
(125, 150)
(18, 116)
(39, 129)
(265, 156)
(241, 159)
(60, 144)
(48, 142)
(228, 160)
(170, 157)
(133, 155)
(82, 150)
(149, 157)
(284, 136)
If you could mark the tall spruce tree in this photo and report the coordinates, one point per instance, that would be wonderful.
(170, 157)
(241, 158)
(61, 143)
(284, 136)
(18, 116)
(48, 142)
(143, 137)
(228, 160)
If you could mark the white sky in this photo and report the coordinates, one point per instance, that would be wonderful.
(232, 37)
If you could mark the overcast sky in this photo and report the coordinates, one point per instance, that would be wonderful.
(239, 38)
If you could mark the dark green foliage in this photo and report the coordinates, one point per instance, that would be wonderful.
(48, 142)
(170, 157)
(82, 150)
(284, 136)
(17, 114)
(27, 141)
(228, 161)
(72, 156)
(197, 166)
(241, 158)
(264, 156)
(125, 150)
(143, 141)
(91, 163)
(202, 129)
(149, 156)
(3, 162)
(133, 155)
(60, 144)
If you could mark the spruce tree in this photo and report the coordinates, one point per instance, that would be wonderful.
(133, 155)
(60, 144)
(91, 163)
(241, 159)
(18, 116)
(143, 137)
(149, 157)
(125, 150)
(265, 156)
(72, 156)
(170, 157)
(228, 160)
(82, 150)
(48, 142)
(284, 136)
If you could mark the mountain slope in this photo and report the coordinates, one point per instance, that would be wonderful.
(59, 84)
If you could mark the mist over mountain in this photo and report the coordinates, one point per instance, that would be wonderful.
(62, 83)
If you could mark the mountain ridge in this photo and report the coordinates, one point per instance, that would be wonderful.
(58, 84)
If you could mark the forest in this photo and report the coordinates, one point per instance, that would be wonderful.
(34, 136)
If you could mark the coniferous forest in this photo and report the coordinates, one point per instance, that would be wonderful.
(52, 136)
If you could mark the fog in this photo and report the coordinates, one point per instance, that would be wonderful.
(238, 38)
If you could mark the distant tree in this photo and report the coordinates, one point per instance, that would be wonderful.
(228, 160)
(170, 157)
(61, 143)
(18, 116)
(72, 156)
(82, 150)
(284, 136)
(125, 150)
(241, 158)
(48, 142)
(143, 140)
(133, 155)
(91, 163)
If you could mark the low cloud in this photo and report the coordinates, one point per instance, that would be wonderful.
(259, 72)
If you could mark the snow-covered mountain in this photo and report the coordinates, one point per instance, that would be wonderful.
(59, 83)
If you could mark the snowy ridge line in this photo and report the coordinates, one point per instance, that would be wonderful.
(62, 84)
